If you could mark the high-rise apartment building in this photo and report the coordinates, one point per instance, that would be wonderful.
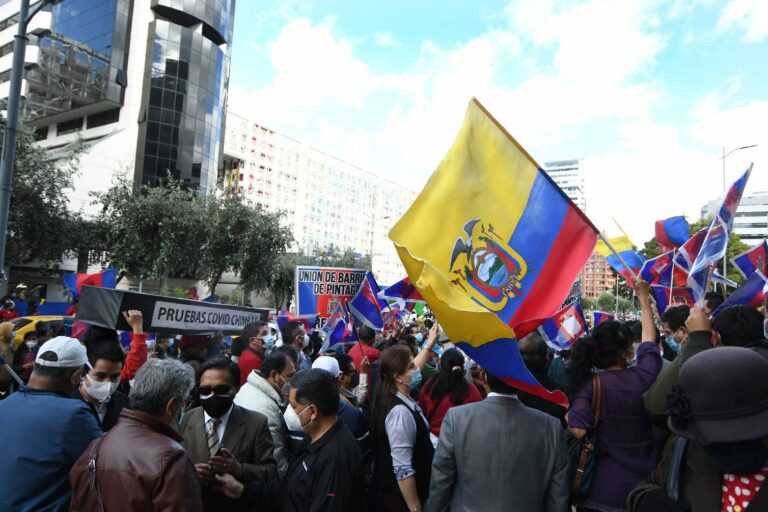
(751, 219)
(143, 82)
(597, 277)
(568, 176)
(325, 200)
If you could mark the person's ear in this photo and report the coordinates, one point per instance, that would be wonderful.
(169, 407)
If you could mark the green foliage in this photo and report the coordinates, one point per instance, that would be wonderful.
(588, 304)
(607, 302)
(651, 249)
(39, 217)
(159, 232)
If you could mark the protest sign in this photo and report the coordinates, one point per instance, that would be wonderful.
(104, 307)
(325, 290)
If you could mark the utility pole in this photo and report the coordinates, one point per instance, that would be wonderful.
(12, 125)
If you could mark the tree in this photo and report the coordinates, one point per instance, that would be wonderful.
(38, 223)
(156, 233)
(588, 304)
(264, 241)
(228, 222)
(282, 280)
(607, 302)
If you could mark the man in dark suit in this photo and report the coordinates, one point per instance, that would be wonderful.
(221, 437)
(499, 455)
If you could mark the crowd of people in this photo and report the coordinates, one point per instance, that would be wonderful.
(672, 410)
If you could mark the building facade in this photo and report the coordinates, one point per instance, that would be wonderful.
(751, 219)
(167, 119)
(325, 200)
(142, 82)
(596, 277)
(568, 175)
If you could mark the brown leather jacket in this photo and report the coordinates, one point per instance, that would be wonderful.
(140, 466)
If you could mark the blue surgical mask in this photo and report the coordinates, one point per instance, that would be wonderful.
(415, 379)
(269, 340)
(675, 346)
(419, 337)
(177, 422)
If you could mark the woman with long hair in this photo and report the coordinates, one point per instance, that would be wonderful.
(448, 388)
(403, 448)
(626, 451)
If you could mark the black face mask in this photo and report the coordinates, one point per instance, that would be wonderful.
(216, 405)
(743, 458)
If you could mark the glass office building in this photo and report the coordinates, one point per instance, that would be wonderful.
(81, 63)
(184, 96)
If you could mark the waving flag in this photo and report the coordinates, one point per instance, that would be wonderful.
(715, 244)
(308, 321)
(599, 317)
(669, 297)
(562, 330)
(751, 293)
(755, 259)
(672, 232)
(365, 306)
(626, 249)
(402, 290)
(502, 254)
(340, 328)
(658, 270)
(105, 279)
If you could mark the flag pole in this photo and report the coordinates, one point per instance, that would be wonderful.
(610, 247)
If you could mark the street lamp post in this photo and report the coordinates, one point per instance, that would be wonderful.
(726, 155)
(12, 123)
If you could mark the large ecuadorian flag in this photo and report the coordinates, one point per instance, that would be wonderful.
(493, 246)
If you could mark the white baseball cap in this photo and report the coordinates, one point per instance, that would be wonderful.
(329, 364)
(69, 353)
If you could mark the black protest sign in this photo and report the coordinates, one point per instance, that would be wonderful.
(104, 307)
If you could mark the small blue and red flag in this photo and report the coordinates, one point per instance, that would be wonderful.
(658, 270)
(74, 282)
(755, 259)
(568, 325)
(308, 321)
(669, 297)
(599, 317)
(628, 254)
(402, 290)
(751, 293)
(685, 257)
(716, 242)
(366, 305)
(672, 232)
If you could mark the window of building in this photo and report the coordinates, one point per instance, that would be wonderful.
(41, 132)
(104, 118)
(70, 126)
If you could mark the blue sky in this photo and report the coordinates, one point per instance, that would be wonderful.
(647, 92)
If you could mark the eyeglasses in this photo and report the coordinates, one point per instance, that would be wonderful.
(221, 389)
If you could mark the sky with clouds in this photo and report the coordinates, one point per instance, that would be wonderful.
(646, 92)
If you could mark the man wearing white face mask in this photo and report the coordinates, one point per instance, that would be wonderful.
(99, 387)
(293, 333)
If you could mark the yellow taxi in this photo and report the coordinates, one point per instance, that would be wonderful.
(52, 324)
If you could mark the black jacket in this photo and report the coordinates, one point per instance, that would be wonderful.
(117, 402)
(323, 476)
(535, 402)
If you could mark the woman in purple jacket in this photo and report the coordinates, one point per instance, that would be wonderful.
(626, 450)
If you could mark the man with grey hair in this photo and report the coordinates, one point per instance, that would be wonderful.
(139, 464)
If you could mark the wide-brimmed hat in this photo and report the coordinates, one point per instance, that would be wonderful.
(722, 397)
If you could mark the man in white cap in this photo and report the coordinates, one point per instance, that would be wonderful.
(44, 430)
(351, 416)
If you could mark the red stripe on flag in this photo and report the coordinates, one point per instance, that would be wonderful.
(572, 247)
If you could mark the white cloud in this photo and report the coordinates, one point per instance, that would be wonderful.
(750, 17)
(557, 70)
(386, 40)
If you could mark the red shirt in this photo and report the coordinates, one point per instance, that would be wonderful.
(249, 360)
(435, 412)
(371, 353)
(72, 310)
(6, 315)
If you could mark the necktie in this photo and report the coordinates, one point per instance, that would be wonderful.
(213, 436)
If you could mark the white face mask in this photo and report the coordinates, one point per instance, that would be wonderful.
(292, 420)
(31, 343)
(100, 391)
(305, 341)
